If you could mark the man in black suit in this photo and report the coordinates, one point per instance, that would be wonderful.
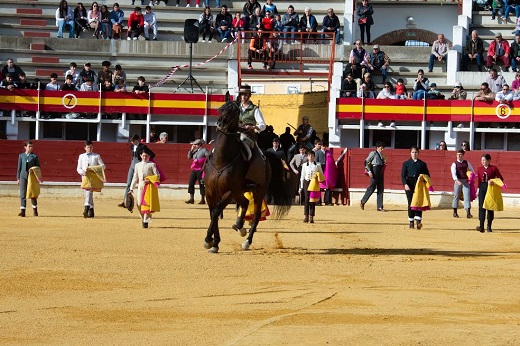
(136, 149)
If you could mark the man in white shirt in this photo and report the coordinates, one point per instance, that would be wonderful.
(505, 95)
(150, 21)
(85, 161)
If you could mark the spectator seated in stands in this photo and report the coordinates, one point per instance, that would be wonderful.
(473, 51)
(248, 10)
(349, 86)
(498, 50)
(116, 18)
(515, 53)
(118, 74)
(257, 49)
(135, 24)
(105, 73)
(377, 60)
(267, 21)
(439, 52)
(94, 18)
(88, 85)
(65, 18)
(358, 57)
(401, 93)
(223, 23)
(277, 23)
(269, 6)
(8, 82)
(331, 24)
(517, 28)
(485, 94)
(255, 22)
(458, 92)
(105, 26)
(275, 47)
(88, 72)
(497, 6)
(367, 79)
(420, 86)
(80, 19)
(22, 82)
(12, 68)
(364, 92)
(107, 85)
(120, 85)
(386, 93)
(515, 85)
(309, 24)
(495, 81)
(505, 95)
(290, 22)
(433, 93)
(53, 85)
(140, 88)
(206, 24)
(76, 78)
(150, 22)
(511, 5)
(69, 84)
(239, 25)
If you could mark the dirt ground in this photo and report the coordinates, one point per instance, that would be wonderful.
(353, 277)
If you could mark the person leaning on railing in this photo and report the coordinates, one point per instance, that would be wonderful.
(485, 94)
(349, 86)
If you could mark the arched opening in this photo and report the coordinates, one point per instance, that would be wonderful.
(407, 37)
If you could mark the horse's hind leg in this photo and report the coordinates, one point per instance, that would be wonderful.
(208, 241)
(239, 224)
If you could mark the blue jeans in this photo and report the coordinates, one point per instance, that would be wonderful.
(433, 58)
(106, 29)
(418, 95)
(510, 8)
(513, 63)
(61, 25)
(338, 34)
(287, 29)
(223, 34)
(207, 3)
(465, 62)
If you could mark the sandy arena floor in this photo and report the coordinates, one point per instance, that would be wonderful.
(353, 277)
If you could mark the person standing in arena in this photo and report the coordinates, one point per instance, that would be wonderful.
(198, 154)
(410, 174)
(89, 162)
(459, 170)
(486, 174)
(26, 161)
(374, 165)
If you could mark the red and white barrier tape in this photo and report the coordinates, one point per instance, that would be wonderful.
(175, 68)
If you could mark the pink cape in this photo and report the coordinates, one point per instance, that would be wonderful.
(162, 176)
(331, 171)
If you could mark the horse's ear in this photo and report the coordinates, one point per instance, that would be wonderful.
(228, 96)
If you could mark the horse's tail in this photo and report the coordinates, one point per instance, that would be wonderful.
(279, 188)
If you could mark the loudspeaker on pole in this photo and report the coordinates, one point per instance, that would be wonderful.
(191, 31)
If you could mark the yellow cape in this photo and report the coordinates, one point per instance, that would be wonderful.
(493, 199)
(150, 199)
(94, 179)
(250, 212)
(421, 194)
(314, 183)
(33, 182)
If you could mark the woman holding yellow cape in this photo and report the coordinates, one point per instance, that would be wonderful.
(28, 177)
(311, 176)
(489, 195)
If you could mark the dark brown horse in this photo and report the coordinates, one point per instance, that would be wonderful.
(224, 177)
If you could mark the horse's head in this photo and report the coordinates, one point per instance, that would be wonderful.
(229, 116)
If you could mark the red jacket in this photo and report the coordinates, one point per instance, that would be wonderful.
(134, 20)
(492, 50)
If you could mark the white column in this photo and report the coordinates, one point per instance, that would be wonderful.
(467, 8)
(233, 76)
(335, 87)
(452, 67)
(348, 22)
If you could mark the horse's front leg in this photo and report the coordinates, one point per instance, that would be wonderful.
(239, 224)
(214, 213)
(256, 218)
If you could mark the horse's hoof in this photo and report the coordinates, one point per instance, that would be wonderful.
(243, 232)
(214, 249)
(208, 245)
(245, 245)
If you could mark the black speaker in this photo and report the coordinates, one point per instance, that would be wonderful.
(191, 31)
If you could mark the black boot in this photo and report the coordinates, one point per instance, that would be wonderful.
(91, 212)
(311, 219)
(412, 225)
(202, 200)
(21, 213)
(481, 228)
(191, 200)
(419, 224)
(85, 211)
(35, 211)
(488, 229)
(306, 218)
(455, 214)
(468, 215)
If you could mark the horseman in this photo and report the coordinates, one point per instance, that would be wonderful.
(250, 122)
